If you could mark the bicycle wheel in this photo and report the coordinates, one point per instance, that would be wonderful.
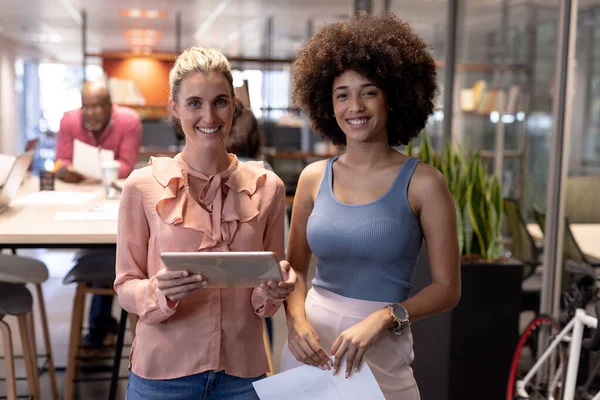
(550, 381)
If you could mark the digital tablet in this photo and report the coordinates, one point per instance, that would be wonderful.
(227, 269)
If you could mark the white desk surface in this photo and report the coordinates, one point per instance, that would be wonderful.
(35, 225)
(586, 235)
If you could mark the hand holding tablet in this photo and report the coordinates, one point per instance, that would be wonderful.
(282, 289)
(228, 269)
(175, 285)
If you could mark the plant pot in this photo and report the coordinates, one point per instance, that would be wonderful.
(466, 353)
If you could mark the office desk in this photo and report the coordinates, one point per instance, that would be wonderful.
(35, 226)
(586, 235)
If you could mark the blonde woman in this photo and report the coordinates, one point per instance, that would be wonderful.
(194, 342)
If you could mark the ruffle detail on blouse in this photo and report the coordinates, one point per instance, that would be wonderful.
(225, 199)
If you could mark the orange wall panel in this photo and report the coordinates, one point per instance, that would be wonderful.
(150, 75)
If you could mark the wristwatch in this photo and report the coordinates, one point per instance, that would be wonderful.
(399, 315)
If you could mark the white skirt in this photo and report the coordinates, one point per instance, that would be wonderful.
(389, 357)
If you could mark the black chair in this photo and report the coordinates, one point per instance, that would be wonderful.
(571, 249)
(524, 247)
(94, 273)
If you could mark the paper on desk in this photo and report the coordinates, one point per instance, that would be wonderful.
(108, 211)
(87, 159)
(84, 216)
(307, 382)
(6, 163)
(47, 197)
(107, 207)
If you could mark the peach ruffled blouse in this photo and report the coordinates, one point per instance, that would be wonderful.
(240, 209)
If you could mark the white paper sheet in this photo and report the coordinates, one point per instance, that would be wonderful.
(307, 382)
(87, 159)
(84, 216)
(56, 198)
(108, 207)
(108, 211)
(6, 163)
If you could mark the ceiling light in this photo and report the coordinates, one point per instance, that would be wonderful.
(141, 41)
(152, 14)
(133, 32)
(134, 13)
(139, 13)
(152, 33)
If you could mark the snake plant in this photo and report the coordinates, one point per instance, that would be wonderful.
(477, 199)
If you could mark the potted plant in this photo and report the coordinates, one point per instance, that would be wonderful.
(466, 353)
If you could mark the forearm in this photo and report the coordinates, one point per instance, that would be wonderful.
(127, 160)
(433, 299)
(130, 149)
(124, 169)
(294, 304)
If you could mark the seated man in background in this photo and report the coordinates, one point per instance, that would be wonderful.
(102, 124)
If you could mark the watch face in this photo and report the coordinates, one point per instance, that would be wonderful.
(400, 313)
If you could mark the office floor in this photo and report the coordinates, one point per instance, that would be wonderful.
(59, 299)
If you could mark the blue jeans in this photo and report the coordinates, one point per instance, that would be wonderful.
(101, 321)
(209, 385)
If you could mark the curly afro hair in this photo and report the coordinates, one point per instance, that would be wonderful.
(381, 48)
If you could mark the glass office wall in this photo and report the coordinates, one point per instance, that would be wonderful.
(505, 70)
(585, 141)
(505, 86)
(430, 22)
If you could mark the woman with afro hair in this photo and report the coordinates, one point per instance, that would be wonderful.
(368, 83)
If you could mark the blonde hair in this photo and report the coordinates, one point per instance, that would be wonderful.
(198, 59)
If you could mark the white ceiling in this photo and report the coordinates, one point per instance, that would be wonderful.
(240, 29)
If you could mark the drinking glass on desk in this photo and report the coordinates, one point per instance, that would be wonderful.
(110, 174)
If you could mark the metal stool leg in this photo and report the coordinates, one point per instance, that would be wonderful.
(114, 379)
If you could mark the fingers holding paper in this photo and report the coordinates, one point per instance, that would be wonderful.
(305, 346)
(282, 289)
(175, 285)
(354, 343)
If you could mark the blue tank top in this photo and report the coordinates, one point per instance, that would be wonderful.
(366, 251)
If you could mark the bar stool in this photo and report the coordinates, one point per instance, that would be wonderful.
(23, 270)
(94, 274)
(16, 300)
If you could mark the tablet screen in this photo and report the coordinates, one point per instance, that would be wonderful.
(227, 269)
